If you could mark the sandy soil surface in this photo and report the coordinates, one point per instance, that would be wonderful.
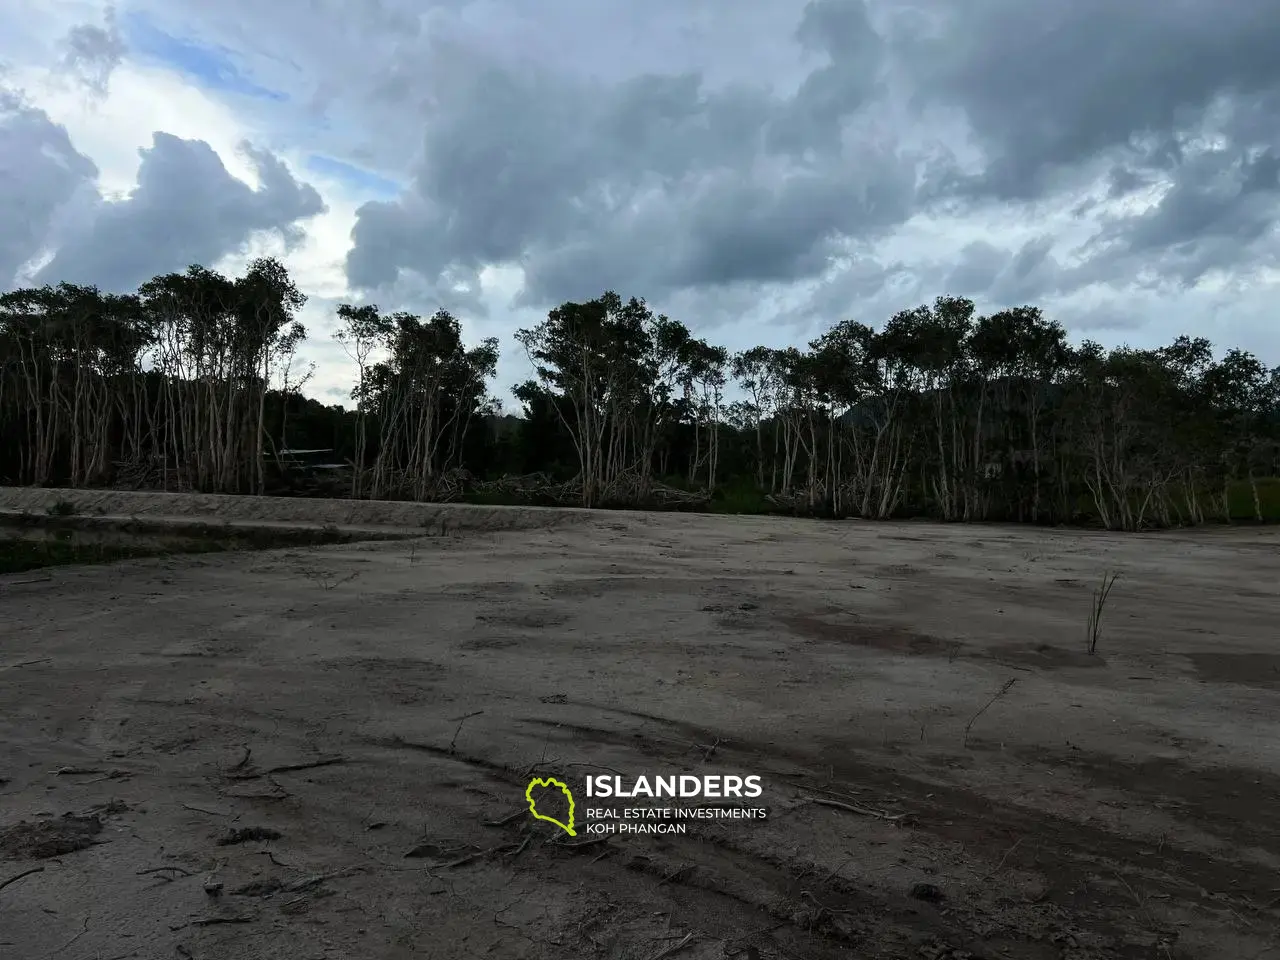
(323, 752)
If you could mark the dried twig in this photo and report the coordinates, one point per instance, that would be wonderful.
(27, 663)
(853, 808)
(577, 845)
(212, 813)
(16, 877)
(306, 883)
(844, 793)
(1006, 856)
(239, 773)
(461, 861)
(763, 932)
(10, 583)
(834, 873)
(1000, 693)
(594, 766)
(326, 579)
(528, 771)
(58, 950)
(673, 949)
(309, 765)
(212, 921)
(461, 721)
(505, 820)
(249, 835)
(805, 894)
(159, 871)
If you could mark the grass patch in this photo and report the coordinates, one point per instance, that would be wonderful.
(32, 542)
(1099, 605)
(18, 554)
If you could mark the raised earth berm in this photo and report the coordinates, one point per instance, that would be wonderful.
(293, 511)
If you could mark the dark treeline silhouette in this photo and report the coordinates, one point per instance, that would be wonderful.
(191, 384)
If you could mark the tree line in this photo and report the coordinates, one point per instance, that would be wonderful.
(192, 383)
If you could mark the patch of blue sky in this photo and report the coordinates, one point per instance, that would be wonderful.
(358, 179)
(212, 65)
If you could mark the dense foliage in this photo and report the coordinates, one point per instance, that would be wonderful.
(190, 384)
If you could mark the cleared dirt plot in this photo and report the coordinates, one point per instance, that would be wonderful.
(322, 750)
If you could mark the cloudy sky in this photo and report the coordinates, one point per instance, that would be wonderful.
(756, 168)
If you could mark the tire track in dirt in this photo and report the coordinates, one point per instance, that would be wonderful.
(860, 915)
(1082, 861)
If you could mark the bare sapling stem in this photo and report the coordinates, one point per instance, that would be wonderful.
(1099, 604)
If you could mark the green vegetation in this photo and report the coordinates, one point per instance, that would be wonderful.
(190, 385)
(32, 542)
(1240, 500)
(19, 555)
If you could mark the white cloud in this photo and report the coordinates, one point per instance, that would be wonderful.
(142, 99)
(139, 101)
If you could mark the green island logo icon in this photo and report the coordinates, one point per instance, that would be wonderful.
(550, 783)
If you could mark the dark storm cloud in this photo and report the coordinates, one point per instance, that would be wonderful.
(724, 230)
(1123, 181)
(1006, 276)
(1217, 194)
(844, 34)
(865, 289)
(1219, 213)
(664, 182)
(668, 150)
(656, 181)
(977, 266)
(185, 209)
(40, 171)
(1171, 102)
(661, 147)
(1051, 84)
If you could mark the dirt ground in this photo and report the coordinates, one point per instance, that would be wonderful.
(322, 752)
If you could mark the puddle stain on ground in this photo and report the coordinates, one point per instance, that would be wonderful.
(1260, 670)
(1046, 656)
(1221, 800)
(897, 640)
(879, 637)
